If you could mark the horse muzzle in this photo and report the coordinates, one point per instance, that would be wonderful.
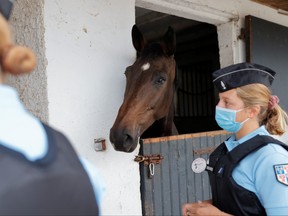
(122, 140)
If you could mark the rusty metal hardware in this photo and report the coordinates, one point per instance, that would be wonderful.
(100, 144)
(149, 159)
(204, 151)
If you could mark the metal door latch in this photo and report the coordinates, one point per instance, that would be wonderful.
(147, 159)
(150, 161)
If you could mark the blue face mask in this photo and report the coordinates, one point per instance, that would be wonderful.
(226, 119)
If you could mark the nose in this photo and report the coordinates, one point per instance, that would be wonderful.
(122, 140)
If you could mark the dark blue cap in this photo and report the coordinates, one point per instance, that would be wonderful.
(6, 7)
(241, 74)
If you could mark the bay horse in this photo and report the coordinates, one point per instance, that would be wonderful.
(147, 109)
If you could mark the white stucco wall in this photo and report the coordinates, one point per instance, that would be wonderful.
(27, 26)
(83, 47)
(88, 46)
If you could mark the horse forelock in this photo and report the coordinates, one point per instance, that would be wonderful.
(152, 50)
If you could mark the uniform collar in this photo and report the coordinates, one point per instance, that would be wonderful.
(231, 143)
(9, 98)
(20, 130)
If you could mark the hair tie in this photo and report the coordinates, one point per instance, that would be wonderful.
(272, 102)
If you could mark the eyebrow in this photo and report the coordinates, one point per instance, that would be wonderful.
(224, 97)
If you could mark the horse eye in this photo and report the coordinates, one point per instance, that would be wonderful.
(160, 80)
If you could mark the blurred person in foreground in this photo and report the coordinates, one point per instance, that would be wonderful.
(41, 173)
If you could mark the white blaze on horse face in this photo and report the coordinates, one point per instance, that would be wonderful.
(145, 66)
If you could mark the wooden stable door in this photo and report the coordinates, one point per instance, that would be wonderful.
(170, 183)
(267, 44)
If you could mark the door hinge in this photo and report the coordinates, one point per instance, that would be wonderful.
(243, 34)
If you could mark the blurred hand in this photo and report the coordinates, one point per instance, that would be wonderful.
(201, 208)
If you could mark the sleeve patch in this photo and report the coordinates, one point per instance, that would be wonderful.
(281, 171)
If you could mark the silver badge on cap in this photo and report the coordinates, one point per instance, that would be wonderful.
(223, 85)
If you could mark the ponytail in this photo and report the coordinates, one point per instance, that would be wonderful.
(271, 114)
(276, 121)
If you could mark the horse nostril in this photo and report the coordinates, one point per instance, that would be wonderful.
(127, 141)
(127, 138)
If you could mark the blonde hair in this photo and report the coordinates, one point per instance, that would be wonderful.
(275, 120)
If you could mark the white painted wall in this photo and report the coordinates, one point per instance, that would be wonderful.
(81, 80)
(88, 46)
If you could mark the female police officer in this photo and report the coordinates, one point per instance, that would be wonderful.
(40, 171)
(248, 172)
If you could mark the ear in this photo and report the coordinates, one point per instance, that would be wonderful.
(137, 39)
(254, 111)
(169, 41)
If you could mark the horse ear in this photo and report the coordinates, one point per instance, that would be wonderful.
(137, 39)
(170, 41)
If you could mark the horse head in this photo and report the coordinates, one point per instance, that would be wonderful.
(149, 91)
